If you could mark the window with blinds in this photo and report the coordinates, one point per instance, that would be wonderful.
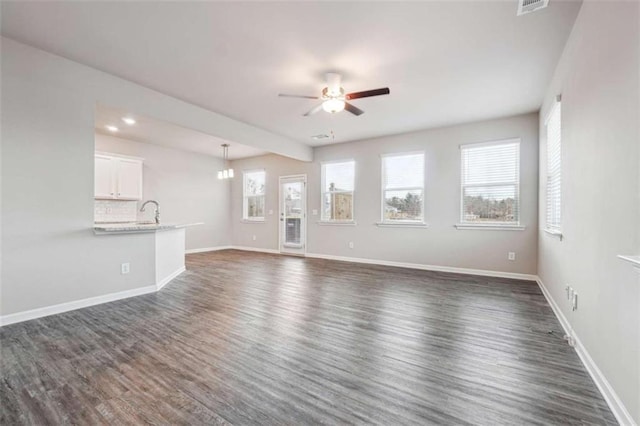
(403, 188)
(491, 183)
(253, 195)
(554, 169)
(337, 191)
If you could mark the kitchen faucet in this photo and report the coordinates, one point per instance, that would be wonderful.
(157, 209)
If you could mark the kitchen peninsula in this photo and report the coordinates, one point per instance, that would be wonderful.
(168, 244)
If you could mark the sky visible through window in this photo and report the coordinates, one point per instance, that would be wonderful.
(254, 185)
(404, 171)
(403, 186)
(339, 174)
(254, 182)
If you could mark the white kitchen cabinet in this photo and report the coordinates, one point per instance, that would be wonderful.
(129, 179)
(104, 177)
(118, 178)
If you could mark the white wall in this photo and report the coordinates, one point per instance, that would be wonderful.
(49, 252)
(186, 186)
(441, 244)
(598, 77)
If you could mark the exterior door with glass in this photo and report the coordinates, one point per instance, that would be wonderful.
(293, 214)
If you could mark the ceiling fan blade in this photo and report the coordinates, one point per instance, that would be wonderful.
(283, 95)
(367, 93)
(353, 109)
(313, 110)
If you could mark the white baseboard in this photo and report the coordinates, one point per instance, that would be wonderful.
(556, 310)
(261, 250)
(85, 303)
(72, 306)
(206, 249)
(424, 267)
(610, 396)
(482, 272)
(243, 248)
(167, 279)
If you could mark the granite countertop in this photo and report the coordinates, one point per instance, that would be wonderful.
(133, 227)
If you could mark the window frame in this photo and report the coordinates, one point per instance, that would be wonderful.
(245, 197)
(553, 228)
(322, 193)
(401, 223)
(465, 224)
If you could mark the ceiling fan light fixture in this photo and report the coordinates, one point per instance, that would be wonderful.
(333, 105)
(334, 99)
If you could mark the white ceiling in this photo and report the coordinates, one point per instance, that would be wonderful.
(445, 62)
(165, 134)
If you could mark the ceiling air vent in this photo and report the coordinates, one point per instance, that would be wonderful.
(319, 137)
(528, 6)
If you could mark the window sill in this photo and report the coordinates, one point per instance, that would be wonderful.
(252, 221)
(337, 223)
(490, 227)
(402, 224)
(554, 233)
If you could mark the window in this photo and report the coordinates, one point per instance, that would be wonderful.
(337, 191)
(403, 188)
(554, 169)
(253, 194)
(491, 183)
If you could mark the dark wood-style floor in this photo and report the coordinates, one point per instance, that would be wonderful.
(248, 338)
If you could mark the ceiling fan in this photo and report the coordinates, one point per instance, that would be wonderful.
(335, 100)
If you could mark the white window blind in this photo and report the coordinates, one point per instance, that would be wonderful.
(253, 195)
(337, 191)
(403, 188)
(491, 182)
(554, 169)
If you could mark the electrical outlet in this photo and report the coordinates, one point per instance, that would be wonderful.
(254, 238)
(350, 244)
(125, 268)
(314, 212)
(511, 255)
(270, 212)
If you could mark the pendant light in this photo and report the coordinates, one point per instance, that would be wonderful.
(226, 173)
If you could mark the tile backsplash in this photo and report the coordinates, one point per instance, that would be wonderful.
(115, 211)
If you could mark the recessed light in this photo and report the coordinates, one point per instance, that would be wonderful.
(112, 128)
(130, 121)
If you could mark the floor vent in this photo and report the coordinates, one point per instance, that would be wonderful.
(528, 6)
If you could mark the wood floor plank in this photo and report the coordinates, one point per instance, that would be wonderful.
(252, 338)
